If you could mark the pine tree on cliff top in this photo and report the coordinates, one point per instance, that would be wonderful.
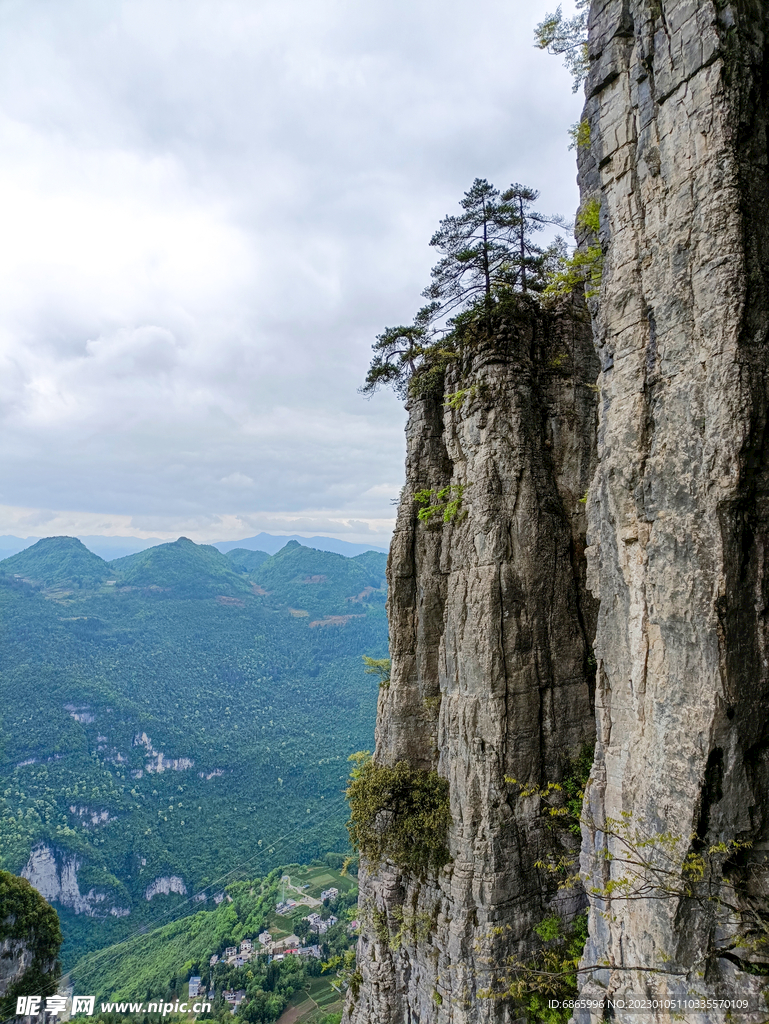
(487, 253)
(567, 37)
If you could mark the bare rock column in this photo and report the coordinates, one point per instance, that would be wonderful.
(490, 631)
(679, 507)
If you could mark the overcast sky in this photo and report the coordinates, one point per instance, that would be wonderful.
(209, 208)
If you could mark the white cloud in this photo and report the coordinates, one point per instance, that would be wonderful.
(203, 529)
(237, 480)
(209, 210)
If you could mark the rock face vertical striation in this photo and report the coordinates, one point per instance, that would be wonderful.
(490, 633)
(677, 103)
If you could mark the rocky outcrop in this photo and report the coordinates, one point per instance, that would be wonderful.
(54, 874)
(164, 885)
(30, 938)
(160, 763)
(679, 508)
(490, 632)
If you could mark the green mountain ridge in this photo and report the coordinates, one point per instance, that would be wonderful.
(245, 560)
(56, 562)
(181, 565)
(321, 581)
(169, 727)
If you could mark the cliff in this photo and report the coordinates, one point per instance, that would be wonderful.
(678, 512)
(490, 631)
(30, 938)
(490, 621)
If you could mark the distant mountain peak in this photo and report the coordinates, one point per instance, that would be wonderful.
(58, 562)
(181, 565)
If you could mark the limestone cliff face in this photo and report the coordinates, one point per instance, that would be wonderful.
(53, 873)
(489, 632)
(679, 508)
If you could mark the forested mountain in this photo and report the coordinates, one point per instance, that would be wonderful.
(58, 561)
(174, 715)
(197, 570)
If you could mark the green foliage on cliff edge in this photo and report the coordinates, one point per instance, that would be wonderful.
(25, 917)
(398, 812)
(567, 37)
(585, 266)
(488, 258)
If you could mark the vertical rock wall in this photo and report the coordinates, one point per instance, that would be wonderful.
(679, 509)
(489, 637)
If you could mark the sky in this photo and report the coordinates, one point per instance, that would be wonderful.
(209, 209)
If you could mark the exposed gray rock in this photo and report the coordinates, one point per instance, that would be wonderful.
(16, 958)
(164, 885)
(54, 874)
(679, 508)
(489, 638)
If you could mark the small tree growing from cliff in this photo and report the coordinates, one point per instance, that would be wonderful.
(649, 864)
(567, 37)
(487, 254)
(379, 667)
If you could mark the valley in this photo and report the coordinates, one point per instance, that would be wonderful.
(177, 719)
(243, 950)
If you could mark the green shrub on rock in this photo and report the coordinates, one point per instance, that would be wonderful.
(398, 812)
(27, 919)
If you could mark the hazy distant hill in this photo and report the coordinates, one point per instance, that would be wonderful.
(113, 547)
(57, 562)
(160, 730)
(272, 543)
(245, 560)
(320, 581)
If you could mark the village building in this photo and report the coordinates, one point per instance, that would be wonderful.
(234, 997)
(194, 988)
(265, 938)
(317, 924)
(246, 946)
(230, 951)
(311, 951)
(214, 960)
(329, 894)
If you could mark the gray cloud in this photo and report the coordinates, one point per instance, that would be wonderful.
(210, 209)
